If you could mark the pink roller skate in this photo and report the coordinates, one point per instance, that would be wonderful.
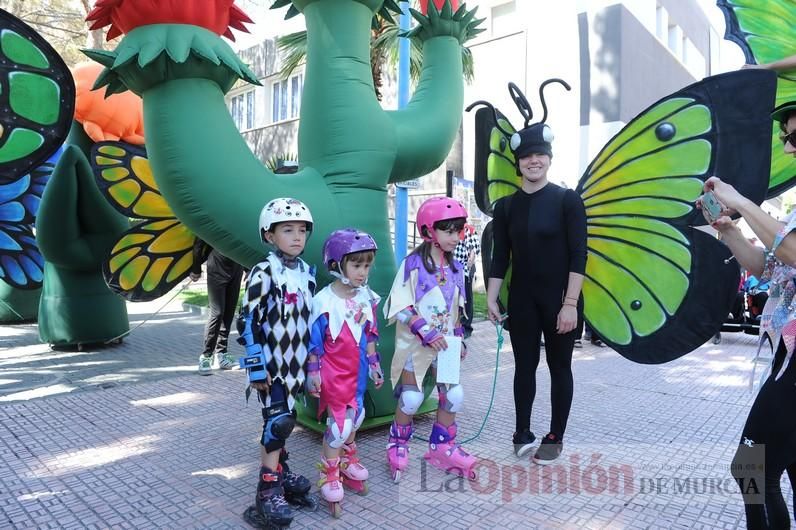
(331, 487)
(398, 449)
(445, 454)
(354, 473)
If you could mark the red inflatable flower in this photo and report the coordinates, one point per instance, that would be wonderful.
(439, 4)
(219, 16)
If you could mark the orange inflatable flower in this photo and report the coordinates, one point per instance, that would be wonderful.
(219, 16)
(118, 117)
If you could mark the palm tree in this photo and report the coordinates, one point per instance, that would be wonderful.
(383, 51)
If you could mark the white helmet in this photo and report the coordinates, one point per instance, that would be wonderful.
(282, 210)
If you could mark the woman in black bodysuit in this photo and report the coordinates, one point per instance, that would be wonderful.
(541, 229)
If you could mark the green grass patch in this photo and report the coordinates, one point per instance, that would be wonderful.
(199, 297)
(479, 306)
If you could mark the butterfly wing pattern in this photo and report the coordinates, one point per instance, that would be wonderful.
(37, 98)
(763, 29)
(157, 252)
(495, 177)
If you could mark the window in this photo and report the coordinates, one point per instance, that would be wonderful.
(675, 40)
(661, 22)
(286, 98)
(693, 60)
(242, 109)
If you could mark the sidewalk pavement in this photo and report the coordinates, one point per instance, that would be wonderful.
(129, 436)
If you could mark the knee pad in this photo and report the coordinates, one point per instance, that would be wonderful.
(278, 423)
(359, 418)
(410, 400)
(335, 434)
(451, 399)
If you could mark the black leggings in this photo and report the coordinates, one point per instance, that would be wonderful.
(769, 438)
(529, 319)
(222, 297)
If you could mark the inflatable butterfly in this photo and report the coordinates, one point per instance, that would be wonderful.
(157, 252)
(21, 263)
(37, 98)
(656, 287)
(763, 29)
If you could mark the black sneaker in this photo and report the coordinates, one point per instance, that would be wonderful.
(523, 442)
(549, 450)
(597, 342)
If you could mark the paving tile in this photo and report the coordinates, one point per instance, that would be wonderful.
(133, 438)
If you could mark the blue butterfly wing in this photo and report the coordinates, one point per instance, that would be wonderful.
(39, 178)
(21, 263)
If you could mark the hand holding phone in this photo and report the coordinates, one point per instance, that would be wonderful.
(711, 207)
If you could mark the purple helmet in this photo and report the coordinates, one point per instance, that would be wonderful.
(346, 241)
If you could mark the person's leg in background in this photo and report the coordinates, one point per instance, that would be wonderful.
(216, 296)
(223, 359)
(467, 319)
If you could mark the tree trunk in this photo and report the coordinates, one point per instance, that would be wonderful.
(94, 38)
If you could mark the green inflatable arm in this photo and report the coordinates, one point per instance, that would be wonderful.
(349, 147)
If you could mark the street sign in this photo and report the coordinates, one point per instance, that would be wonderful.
(412, 184)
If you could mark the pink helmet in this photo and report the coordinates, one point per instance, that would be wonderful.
(437, 209)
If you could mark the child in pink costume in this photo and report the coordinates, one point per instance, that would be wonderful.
(427, 300)
(342, 357)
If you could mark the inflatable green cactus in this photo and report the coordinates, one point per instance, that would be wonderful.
(350, 149)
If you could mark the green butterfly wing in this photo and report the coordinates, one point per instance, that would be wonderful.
(495, 177)
(655, 286)
(37, 98)
(764, 31)
(155, 254)
(495, 172)
(762, 28)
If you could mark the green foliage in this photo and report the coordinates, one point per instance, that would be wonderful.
(277, 161)
(293, 50)
(60, 22)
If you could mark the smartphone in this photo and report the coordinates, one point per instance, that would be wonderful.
(711, 207)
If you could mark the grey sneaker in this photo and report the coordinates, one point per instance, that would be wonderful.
(205, 365)
(224, 361)
(549, 450)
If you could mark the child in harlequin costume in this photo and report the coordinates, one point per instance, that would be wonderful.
(276, 312)
(426, 301)
(342, 355)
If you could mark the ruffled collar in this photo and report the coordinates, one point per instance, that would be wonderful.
(356, 311)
